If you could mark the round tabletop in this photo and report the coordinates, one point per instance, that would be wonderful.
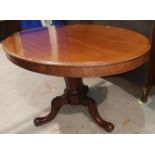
(77, 50)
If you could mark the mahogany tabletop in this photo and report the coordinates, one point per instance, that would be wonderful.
(77, 50)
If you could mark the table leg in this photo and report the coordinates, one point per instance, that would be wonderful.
(92, 108)
(75, 94)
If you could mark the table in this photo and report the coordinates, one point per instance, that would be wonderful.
(74, 52)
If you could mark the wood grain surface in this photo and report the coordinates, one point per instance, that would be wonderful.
(77, 50)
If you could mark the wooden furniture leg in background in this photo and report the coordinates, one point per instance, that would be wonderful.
(144, 94)
(150, 78)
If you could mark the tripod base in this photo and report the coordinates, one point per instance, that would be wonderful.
(75, 94)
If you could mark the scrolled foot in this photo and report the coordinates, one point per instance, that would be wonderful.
(109, 127)
(55, 107)
(39, 121)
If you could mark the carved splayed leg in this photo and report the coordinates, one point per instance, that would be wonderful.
(92, 108)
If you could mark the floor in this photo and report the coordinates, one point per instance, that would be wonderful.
(25, 95)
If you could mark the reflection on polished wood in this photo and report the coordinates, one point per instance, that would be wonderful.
(74, 52)
(78, 50)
